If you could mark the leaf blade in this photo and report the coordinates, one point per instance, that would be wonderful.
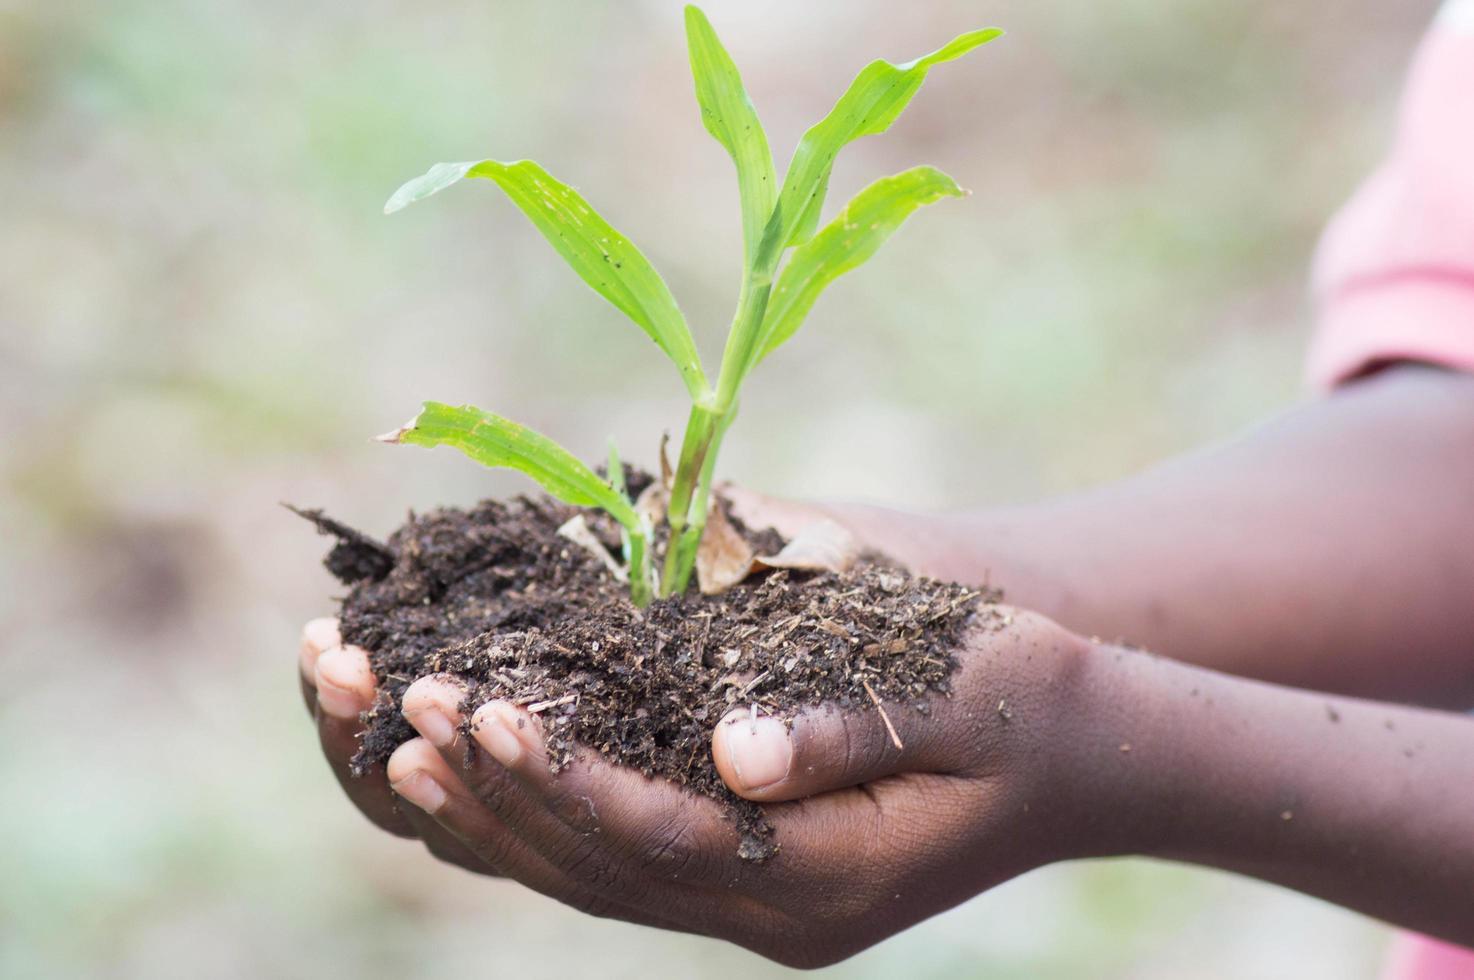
(494, 441)
(874, 99)
(615, 467)
(729, 116)
(602, 257)
(847, 242)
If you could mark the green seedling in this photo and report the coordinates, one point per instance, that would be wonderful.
(779, 222)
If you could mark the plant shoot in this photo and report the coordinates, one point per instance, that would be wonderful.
(788, 260)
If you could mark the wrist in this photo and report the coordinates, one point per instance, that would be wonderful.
(1037, 698)
(1110, 773)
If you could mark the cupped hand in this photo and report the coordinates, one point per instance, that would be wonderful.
(455, 825)
(338, 686)
(872, 837)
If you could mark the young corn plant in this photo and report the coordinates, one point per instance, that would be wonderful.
(788, 261)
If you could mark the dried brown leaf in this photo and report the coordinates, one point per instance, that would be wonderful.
(652, 503)
(724, 557)
(666, 474)
(823, 546)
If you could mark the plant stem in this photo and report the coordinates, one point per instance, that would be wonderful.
(690, 539)
(743, 338)
(639, 569)
(707, 424)
(700, 427)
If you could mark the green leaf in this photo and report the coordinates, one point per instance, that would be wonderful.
(601, 256)
(729, 116)
(494, 441)
(846, 243)
(873, 101)
(616, 470)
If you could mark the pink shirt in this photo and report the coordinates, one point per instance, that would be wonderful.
(1394, 276)
(1394, 280)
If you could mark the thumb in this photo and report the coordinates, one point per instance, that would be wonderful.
(767, 759)
(758, 510)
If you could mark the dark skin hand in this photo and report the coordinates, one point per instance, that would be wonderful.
(1334, 549)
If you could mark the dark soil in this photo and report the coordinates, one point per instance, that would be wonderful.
(496, 598)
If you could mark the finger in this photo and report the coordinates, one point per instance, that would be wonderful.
(432, 707)
(758, 510)
(607, 827)
(318, 635)
(344, 682)
(465, 826)
(649, 829)
(457, 828)
(961, 733)
(345, 689)
(507, 827)
(766, 759)
(427, 786)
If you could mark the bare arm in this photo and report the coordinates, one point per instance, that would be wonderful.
(1331, 549)
(1367, 805)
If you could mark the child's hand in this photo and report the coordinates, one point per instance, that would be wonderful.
(338, 686)
(878, 839)
(1049, 747)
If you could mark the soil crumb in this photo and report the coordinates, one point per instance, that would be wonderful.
(496, 598)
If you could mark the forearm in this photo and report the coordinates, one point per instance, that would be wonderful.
(1367, 805)
(1331, 549)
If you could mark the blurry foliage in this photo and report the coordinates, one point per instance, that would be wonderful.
(202, 312)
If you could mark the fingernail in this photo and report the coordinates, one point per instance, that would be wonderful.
(431, 722)
(494, 734)
(338, 702)
(760, 751)
(421, 790)
(318, 635)
(337, 680)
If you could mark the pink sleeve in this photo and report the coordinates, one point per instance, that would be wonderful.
(1394, 280)
(1417, 958)
(1394, 275)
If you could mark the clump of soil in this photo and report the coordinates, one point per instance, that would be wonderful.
(497, 598)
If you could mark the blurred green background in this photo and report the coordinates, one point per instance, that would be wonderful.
(203, 312)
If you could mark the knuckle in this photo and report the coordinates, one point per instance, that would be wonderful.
(667, 849)
(488, 783)
(493, 849)
(586, 861)
(568, 797)
(865, 745)
(574, 809)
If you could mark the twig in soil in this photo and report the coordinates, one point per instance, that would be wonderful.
(533, 709)
(754, 683)
(895, 739)
(356, 555)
